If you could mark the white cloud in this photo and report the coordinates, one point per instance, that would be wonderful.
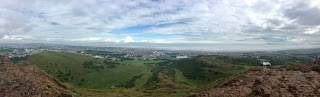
(312, 30)
(128, 39)
(14, 38)
(5, 37)
(87, 39)
(182, 21)
(296, 40)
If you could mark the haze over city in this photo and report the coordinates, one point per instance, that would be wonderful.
(211, 25)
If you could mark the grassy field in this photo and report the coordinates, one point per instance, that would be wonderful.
(69, 68)
(140, 62)
(95, 77)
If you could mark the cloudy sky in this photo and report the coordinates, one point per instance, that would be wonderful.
(214, 22)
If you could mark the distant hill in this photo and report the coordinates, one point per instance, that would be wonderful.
(299, 80)
(29, 81)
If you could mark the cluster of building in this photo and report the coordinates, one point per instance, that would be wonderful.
(115, 53)
(121, 53)
(21, 52)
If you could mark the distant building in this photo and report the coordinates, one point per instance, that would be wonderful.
(266, 64)
(113, 58)
(98, 57)
(180, 57)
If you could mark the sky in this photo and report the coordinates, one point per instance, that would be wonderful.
(265, 23)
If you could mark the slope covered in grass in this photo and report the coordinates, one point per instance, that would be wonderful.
(95, 77)
(85, 71)
(180, 77)
(212, 67)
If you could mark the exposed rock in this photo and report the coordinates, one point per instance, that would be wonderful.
(286, 81)
(28, 81)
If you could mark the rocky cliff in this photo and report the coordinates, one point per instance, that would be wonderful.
(28, 81)
(300, 80)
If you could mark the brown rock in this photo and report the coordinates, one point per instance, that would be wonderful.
(28, 81)
(279, 81)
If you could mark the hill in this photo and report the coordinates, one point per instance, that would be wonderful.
(92, 76)
(28, 81)
(137, 77)
(214, 75)
(180, 77)
(85, 71)
(288, 80)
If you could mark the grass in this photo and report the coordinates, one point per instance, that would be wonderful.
(282, 60)
(195, 83)
(140, 62)
(95, 77)
(68, 68)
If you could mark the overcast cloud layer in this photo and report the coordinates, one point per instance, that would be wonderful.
(240, 22)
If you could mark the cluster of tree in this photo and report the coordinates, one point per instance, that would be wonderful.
(172, 73)
(110, 64)
(130, 83)
(90, 65)
(239, 61)
(154, 77)
(64, 76)
(3, 50)
(81, 82)
(164, 63)
(190, 68)
(17, 59)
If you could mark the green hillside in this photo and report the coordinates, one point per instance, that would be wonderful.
(85, 71)
(181, 77)
(211, 67)
(95, 77)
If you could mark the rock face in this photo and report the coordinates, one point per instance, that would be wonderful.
(28, 81)
(281, 81)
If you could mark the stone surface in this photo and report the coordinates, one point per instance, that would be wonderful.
(279, 81)
(28, 81)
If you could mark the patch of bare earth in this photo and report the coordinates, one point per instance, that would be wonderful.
(279, 81)
(28, 81)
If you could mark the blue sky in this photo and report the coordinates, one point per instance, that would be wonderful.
(222, 22)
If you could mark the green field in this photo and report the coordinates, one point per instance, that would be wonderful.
(95, 77)
(69, 68)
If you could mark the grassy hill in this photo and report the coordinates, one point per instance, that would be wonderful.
(212, 67)
(85, 71)
(95, 77)
(180, 77)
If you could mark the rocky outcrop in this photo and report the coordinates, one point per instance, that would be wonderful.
(286, 81)
(28, 81)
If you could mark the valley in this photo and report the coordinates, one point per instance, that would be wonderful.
(94, 76)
